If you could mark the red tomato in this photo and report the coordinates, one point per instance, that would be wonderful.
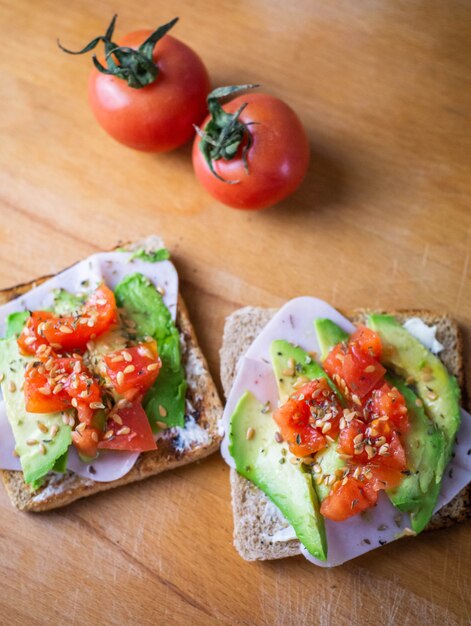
(70, 332)
(388, 401)
(86, 441)
(347, 498)
(66, 383)
(302, 419)
(134, 368)
(355, 365)
(134, 434)
(277, 158)
(30, 339)
(368, 341)
(160, 116)
(346, 443)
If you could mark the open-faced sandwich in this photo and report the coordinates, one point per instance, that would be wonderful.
(343, 434)
(102, 379)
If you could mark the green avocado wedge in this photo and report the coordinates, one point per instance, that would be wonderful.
(165, 401)
(328, 335)
(289, 363)
(424, 446)
(437, 389)
(263, 461)
(39, 452)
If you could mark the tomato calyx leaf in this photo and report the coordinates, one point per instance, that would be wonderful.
(225, 132)
(136, 67)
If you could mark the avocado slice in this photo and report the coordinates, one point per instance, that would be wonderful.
(328, 335)
(286, 357)
(289, 363)
(438, 390)
(424, 446)
(165, 401)
(37, 459)
(263, 461)
(15, 323)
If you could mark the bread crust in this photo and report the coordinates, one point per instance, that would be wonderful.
(202, 396)
(255, 517)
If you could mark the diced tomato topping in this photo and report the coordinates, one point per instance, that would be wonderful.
(308, 416)
(346, 498)
(371, 428)
(353, 432)
(134, 368)
(355, 365)
(368, 342)
(70, 332)
(86, 441)
(388, 401)
(133, 434)
(59, 384)
(30, 338)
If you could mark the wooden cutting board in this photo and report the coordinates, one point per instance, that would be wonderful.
(382, 220)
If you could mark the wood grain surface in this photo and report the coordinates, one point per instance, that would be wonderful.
(383, 219)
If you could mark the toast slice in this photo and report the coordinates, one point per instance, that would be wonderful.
(256, 518)
(203, 405)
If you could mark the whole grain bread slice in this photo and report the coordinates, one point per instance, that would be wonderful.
(256, 518)
(203, 409)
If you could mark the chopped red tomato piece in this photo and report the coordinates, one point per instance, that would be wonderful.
(30, 338)
(85, 439)
(368, 342)
(351, 440)
(346, 498)
(133, 434)
(59, 384)
(134, 368)
(388, 401)
(308, 416)
(354, 364)
(70, 332)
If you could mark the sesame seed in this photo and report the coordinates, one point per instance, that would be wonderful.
(317, 469)
(96, 405)
(370, 451)
(356, 399)
(117, 359)
(31, 442)
(101, 301)
(161, 424)
(11, 386)
(57, 388)
(65, 419)
(15, 452)
(408, 532)
(418, 402)
(152, 367)
(120, 378)
(29, 340)
(108, 434)
(129, 369)
(250, 433)
(384, 449)
(357, 471)
(41, 348)
(326, 427)
(288, 372)
(431, 395)
(54, 431)
(46, 391)
(125, 430)
(117, 419)
(81, 427)
(78, 367)
(65, 329)
(85, 393)
(56, 346)
(94, 436)
(295, 461)
(319, 480)
(380, 441)
(278, 437)
(162, 411)
(358, 439)
(342, 423)
(330, 439)
(83, 320)
(42, 448)
(370, 369)
(126, 356)
(344, 481)
(42, 427)
(123, 403)
(74, 402)
(49, 363)
(161, 290)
